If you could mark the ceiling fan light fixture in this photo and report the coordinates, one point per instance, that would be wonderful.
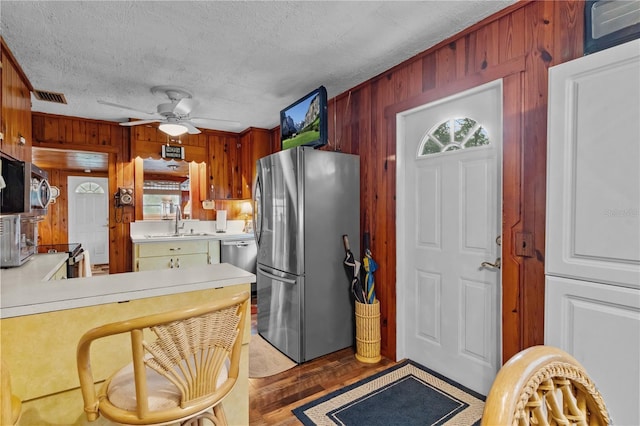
(173, 129)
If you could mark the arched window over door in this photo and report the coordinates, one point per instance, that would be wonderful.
(453, 134)
(89, 188)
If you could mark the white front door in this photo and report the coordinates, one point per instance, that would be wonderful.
(89, 216)
(448, 224)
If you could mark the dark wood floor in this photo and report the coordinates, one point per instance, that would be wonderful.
(271, 399)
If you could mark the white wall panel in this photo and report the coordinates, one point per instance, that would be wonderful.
(599, 324)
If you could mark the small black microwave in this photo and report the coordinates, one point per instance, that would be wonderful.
(16, 189)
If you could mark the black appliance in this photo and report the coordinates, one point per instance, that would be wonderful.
(16, 192)
(27, 187)
(75, 252)
(608, 23)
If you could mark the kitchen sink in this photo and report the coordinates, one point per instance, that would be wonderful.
(189, 234)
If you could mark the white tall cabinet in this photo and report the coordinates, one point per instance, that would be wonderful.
(592, 265)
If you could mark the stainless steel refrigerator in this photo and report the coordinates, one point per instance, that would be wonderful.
(305, 201)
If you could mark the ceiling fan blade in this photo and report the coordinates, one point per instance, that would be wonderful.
(138, 122)
(125, 107)
(214, 120)
(192, 129)
(184, 106)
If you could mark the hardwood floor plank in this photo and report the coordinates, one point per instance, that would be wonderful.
(271, 399)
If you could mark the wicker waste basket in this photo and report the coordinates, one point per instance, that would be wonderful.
(368, 332)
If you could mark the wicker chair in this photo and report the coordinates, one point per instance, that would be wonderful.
(182, 375)
(543, 385)
(10, 405)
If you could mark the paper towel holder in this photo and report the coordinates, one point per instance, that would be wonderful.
(221, 221)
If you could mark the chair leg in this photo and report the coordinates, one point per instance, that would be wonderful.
(218, 411)
(218, 418)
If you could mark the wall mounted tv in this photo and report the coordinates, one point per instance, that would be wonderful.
(305, 121)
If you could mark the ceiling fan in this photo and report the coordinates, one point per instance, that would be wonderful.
(173, 116)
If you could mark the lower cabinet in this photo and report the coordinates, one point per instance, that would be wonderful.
(599, 324)
(61, 273)
(178, 254)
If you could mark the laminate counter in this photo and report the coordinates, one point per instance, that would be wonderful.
(39, 267)
(42, 322)
(24, 292)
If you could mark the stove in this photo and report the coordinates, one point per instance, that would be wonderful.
(75, 252)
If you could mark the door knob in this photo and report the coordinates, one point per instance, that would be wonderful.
(495, 265)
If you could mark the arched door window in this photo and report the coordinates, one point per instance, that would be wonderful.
(453, 134)
(89, 188)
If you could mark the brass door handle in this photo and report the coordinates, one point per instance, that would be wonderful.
(495, 265)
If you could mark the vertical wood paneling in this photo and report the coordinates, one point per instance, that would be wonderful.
(511, 39)
(527, 31)
(539, 33)
(569, 29)
(222, 151)
(543, 33)
(51, 131)
(79, 130)
(447, 64)
(511, 215)
(429, 72)
(487, 49)
(15, 118)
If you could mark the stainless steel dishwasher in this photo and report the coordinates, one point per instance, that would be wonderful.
(240, 253)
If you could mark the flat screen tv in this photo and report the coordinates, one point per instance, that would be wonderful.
(305, 121)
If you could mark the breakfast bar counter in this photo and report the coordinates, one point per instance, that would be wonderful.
(42, 322)
(27, 294)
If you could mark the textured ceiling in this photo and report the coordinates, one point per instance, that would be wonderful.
(242, 61)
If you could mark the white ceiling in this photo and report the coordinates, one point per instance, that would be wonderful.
(242, 61)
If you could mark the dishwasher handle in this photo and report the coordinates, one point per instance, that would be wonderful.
(238, 243)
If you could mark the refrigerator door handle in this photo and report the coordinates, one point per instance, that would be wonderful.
(275, 277)
(257, 209)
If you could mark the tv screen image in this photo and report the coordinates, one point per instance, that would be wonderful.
(305, 121)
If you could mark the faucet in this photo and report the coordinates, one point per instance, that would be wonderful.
(178, 219)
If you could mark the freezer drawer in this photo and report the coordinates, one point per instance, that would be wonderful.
(279, 310)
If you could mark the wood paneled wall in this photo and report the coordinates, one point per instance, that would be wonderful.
(517, 44)
(61, 132)
(15, 95)
(226, 159)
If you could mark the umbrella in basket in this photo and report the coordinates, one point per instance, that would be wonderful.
(370, 267)
(352, 267)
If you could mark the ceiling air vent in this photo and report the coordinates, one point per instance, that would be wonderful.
(43, 95)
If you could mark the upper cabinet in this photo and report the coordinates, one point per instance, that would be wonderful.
(15, 120)
(254, 144)
(232, 160)
(593, 178)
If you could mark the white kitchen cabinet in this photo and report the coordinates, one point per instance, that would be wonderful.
(61, 273)
(593, 168)
(175, 254)
(592, 264)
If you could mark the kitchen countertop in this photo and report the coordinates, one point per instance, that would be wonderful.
(149, 231)
(24, 292)
(39, 267)
(157, 238)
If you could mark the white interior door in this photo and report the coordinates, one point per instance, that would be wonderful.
(449, 214)
(89, 216)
